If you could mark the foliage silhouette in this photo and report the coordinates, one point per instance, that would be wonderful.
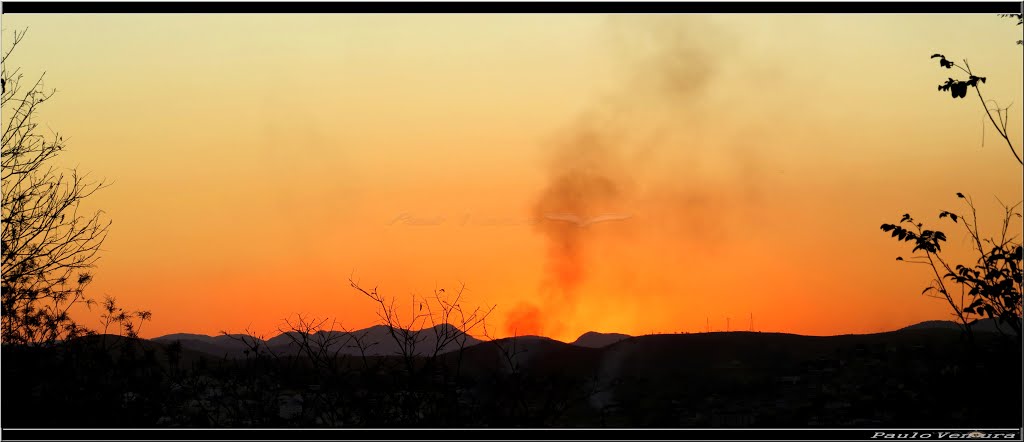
(991, 286)
(448, 321)
(958, 89)
(420, 383)
(48, 246)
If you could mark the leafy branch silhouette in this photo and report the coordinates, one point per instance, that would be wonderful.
(990, 287)
(958, 89)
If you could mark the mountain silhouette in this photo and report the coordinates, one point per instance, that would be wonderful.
(220, 346)
(987, 325)
(375, 340)
(598, 340)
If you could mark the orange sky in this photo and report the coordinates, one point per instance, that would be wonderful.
(258, 161)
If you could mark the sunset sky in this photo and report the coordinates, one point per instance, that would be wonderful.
(744, 162)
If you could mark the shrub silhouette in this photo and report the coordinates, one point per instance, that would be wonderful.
(990, 287)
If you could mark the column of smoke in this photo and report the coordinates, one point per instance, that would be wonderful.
(585, 183)
(595, 170)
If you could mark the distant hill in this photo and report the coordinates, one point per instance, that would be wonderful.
(375, 341)
(230, 346)
(983, 325)
(115, 345)
(598, 340)
(521, 352)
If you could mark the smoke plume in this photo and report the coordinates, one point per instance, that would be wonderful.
(524, 320)
(637, 162)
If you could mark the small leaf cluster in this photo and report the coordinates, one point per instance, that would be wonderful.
(927, 240)
(956, 88)
(943, 62)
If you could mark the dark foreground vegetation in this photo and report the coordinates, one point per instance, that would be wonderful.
(908, 378)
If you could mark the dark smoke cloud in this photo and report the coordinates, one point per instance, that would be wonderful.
(675, 58)
(609, 162)
(585, 183)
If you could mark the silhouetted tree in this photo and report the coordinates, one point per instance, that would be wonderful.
(48, 244)
(991, 286)
(255, 344)
(449, 324)
(127, 322)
